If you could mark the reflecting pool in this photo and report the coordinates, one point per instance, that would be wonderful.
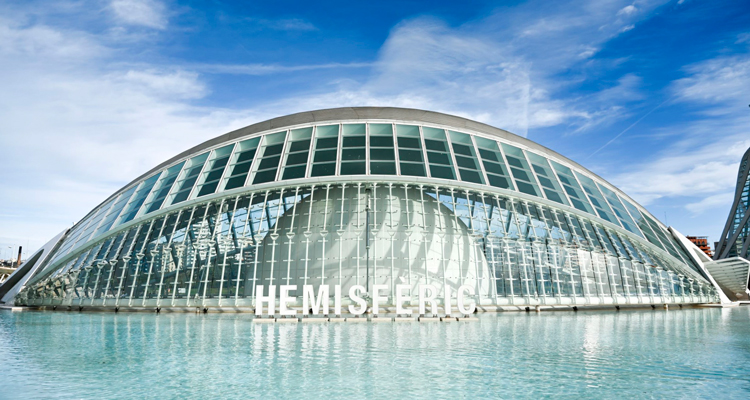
(690, 353)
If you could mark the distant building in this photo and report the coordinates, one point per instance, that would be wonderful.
(735, 239)
(731, 267)
(702, 243)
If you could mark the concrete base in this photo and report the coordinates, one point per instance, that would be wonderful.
(313, 320)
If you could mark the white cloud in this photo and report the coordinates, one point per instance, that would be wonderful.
(284, 24)
(41, 40)
(723, 80)
(628, 10)
(176, 85)
(700, 167)
(148, 13)
(268, 69)
(710, 203)
(78, 124)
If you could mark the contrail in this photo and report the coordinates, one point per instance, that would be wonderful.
(626, 129)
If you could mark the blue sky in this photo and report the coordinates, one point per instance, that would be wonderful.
(651, 95)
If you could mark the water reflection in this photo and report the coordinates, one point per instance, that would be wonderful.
(674, 353)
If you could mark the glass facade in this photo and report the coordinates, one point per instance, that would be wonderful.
(410, 202)
(735, 240)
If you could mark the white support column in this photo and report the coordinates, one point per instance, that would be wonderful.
(340, 233)
(180, 254)
(196, 244)
(307, 233)
(324, 237)
(275, 236)
(290, 237)
(211, 244)
(243, 242)
(226, 248)
(153, 252)
(258, 238)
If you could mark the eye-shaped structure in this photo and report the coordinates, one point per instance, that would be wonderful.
(368, 196)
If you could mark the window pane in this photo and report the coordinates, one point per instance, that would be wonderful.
(295, 165)
(162, 188)
(546, 177)
(383, 168)
(596, 199)
(352, 168)
(572, 188)
(619, 210)
(189, 175)
(410, 155)
(213, 170)
(240, 163)
(521, 171)
(323, 169)
(492, 160)
(441, 172)
(138, 198)
(411, 169)
(270, 154)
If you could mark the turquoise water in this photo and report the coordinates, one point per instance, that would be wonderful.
(691, 353)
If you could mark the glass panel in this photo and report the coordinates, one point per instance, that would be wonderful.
(466, 157)
(115, 211)
(189, 175)
(138, 198)
(162, 188)
(93, 223)
(572, 188)
(296, 158)
(547, 179)
(353, 150)
(411, 160)
(619, 210)
(326, 148)
(213, 171)
(601, 206)
(520, 170)
(241, 162)
(494, 165)
(437, 153)
(664, 237)
(268, 163)
(642, 223)
(382, 150)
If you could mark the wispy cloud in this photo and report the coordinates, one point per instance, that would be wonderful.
(147, 13)
(699, 167)
(283, 24)
(719, 82)
(97, 120)
(710, 203)
(268, 69)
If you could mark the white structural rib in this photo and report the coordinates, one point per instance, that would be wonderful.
(732, 275)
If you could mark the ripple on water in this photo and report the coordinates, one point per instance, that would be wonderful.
(639, 354)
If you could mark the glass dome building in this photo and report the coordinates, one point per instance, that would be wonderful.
(368, 196)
